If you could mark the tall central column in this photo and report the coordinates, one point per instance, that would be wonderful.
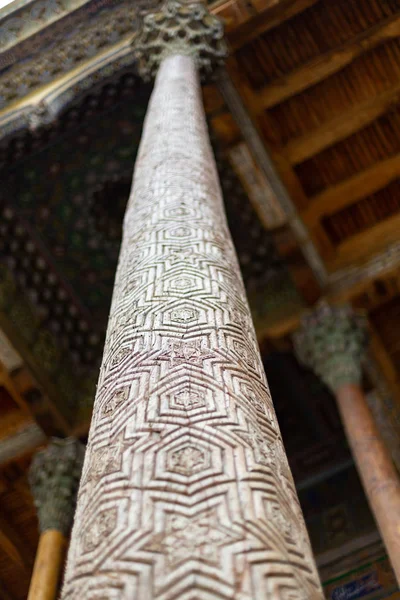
(186, 491)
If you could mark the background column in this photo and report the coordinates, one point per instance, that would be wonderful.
(54, 478)
(333, 341)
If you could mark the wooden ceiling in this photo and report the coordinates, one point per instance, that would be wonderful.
(320, 80)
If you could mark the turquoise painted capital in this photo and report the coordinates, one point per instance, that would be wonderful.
(332, 341)
(54, 479)
(180, 27)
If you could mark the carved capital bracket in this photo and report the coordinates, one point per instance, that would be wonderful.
(183, 27)
(54, 479)
(332, 342)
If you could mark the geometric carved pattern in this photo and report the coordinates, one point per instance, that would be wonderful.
(186, 490)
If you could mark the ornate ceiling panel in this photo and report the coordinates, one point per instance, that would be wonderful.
(64, 192)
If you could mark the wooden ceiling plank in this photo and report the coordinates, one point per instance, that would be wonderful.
(274, 15)
(352, 189)
(327, 64)
(365, 244)
(329, 133)
(344, 287)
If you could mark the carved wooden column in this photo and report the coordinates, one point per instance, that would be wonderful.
(54, 478)
(332, 341)
(186, 491)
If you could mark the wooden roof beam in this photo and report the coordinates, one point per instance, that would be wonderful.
(262, 158)
(6, 381)
(327, 64)
(363, 245)
(349, 191)
(274, 13)
(25, 441)
(329, 133)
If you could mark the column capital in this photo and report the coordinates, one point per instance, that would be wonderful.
(180, 27)
(54, 479)
(332, 342)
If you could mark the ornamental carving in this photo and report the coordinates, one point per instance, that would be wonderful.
(84, 44)
(200, 537)
(99, 530)
(188, 399)
(183, 27)
(332, 341)
(54, 479)
(201, 460)
(188, 460)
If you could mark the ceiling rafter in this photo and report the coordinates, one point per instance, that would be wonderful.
(357, 248)
(332, 131)
(250, 134)
(274, 14)
(352, 189)
(328, 63)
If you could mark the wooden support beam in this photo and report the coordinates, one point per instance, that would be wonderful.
(48, 566)
(329, 133)
(327, 64)
(25, 441)
(343, 287)
(14, 546)
(266, 165)
(349, 191)
(43, 379)
(364, 245)
(275, 13)
(7, 382)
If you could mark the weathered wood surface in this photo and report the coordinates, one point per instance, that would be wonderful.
(352, 189)
(328, 63)
(186, 491)
(377, 472)
(48, 566)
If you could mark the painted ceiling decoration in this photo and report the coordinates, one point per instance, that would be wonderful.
(64, 192)
(40, 70)
(52, 50)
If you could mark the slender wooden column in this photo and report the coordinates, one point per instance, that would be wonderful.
(48, 565)
(332, 342)
(186, 491)
(54, 478)
(384, 405)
